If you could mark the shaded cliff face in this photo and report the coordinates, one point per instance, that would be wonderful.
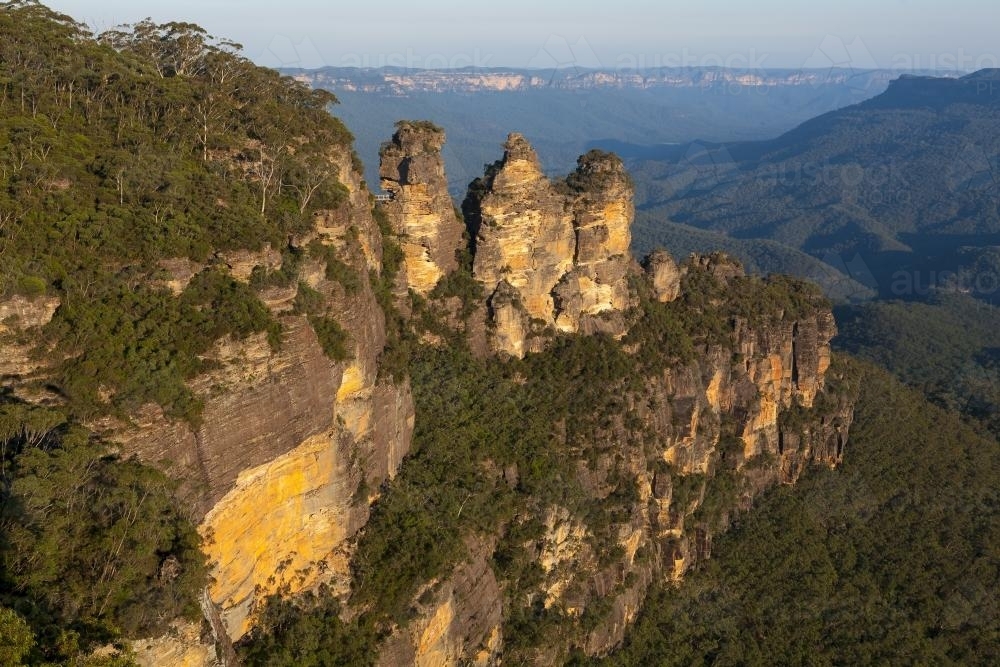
(421, 210)
(664, 276)
(561, 248)
(461, 623)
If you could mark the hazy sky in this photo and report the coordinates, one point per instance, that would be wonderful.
(901, 34)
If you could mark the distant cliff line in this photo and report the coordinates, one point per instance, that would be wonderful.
(404, 80)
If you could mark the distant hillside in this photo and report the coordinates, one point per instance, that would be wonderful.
(904, 179)
(760, 256)
(562, 111)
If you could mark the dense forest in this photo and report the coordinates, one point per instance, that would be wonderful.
(945, 346)
(145, 143)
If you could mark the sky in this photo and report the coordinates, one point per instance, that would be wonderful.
(612, 34)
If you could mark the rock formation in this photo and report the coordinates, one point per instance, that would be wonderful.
(561, 247)
(664, 276)
(750, 409)
(292, 446)
(288, 440)
(421, 211)
(20, 318)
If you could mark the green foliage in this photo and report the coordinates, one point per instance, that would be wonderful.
(945, 347)
(93, 547)
(539, 415)
(706, 312)
(891, 559)
(394, 360)
(145, 143)
(31, 286)
(285, 275)
(308, 301)
(307, 633)
(16, 637)
(659, 332)
(332, 337)
(140, 344)
(336, 269)
(420, 125)
(461, 284)
(591, 173)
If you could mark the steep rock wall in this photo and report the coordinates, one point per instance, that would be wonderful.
(421, 210)
(562, 247)
(750, 408)
(19, 317)
(289, 439)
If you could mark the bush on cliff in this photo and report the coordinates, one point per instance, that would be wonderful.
(93, 548)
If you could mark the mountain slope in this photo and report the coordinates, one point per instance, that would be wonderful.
(909, 174)
(190, 338)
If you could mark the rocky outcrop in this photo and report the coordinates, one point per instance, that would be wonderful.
(694, 444)
(561, 247)
(420, 210)
(664, 276)
(461, 624)
(20, 317)
(184, 646)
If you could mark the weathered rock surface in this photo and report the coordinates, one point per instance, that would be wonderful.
(287, 438)
(19, 317)
(563, 248)
(182, 647)
(421, 210)
(664, 276)
(461, 624)
(750, 410)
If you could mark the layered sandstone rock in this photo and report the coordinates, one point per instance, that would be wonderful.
(421, 211)
(461, 624)
(289, 440)
(562, 248)
(183, 646)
